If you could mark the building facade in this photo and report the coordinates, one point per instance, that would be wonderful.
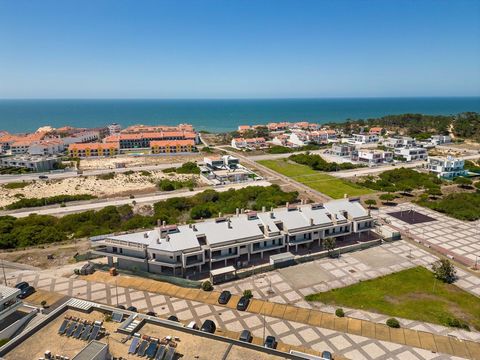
(372, 157)
(446, 167)
(411, 153)
(237, 240)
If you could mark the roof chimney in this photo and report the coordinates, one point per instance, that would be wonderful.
(219, 214)
(164, 223)
(311, 221)
(229, 223)
(237, 211)
(287, 204)
(345, 196)
(194, 227)
(263, 208)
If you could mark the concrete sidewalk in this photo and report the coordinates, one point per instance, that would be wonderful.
(419, 339)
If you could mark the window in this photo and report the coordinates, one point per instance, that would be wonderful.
(154, 256)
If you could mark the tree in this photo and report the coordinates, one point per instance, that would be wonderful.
(329, 244)
(387, 198)
(370, 203)
(463, 182)
(444, 270)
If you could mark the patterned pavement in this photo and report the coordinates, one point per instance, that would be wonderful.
(286, 285)
(457, 238)
(290, 332)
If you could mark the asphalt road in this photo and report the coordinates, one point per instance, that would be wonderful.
(147, 199)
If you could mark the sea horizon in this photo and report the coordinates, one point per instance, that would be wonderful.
(219, 114)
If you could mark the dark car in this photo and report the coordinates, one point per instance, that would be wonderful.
(208, 326)
(327, 355)
(224, 297)
(120, 307)
(151, 313)
(22, 285)
(243, 303)
(29, 290)
(245, 336)
(132, 308)
(43, 177)
(270, 342)
(173, 318)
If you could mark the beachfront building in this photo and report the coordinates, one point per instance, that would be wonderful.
(372, 157)
(137, 129)
(446, 167)
(237, 240)
(138, 141)
(362, 139)
(172, 147)
(114, 129)
(93, 150)
(342, 150)
(411, 153)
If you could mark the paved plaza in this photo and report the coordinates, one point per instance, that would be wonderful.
(460, 239)
(290, 332)
(290, 285)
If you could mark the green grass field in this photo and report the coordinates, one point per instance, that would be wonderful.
(319, 181)
(412, 294)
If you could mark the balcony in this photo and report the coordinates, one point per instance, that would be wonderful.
(257, 247)
(219, 256)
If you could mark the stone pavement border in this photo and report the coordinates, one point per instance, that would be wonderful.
(427, 341)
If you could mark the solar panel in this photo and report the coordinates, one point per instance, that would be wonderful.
(133, 345)
(79, 330)
(63, 327)
(117, 316)
(94, 334)
(170, 353)
(160, 352)
(71, 328)
(142, 348)
(151, 349)
(86, 332)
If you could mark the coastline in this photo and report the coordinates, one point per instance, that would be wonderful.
(215, 115)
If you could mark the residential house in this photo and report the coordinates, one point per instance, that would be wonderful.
(446, 167)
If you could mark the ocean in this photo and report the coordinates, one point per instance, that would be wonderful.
(216, 115)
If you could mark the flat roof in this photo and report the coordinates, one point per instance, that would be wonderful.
(225, 270)
(244, 227)
(7, 292)
(91, 350)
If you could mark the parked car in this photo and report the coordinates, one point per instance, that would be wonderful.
(208, 326)
(243, 303)
(29, 290)
(224, 297)
(270, 342)
(151, 313)
(327, 355)
(120, 307)
(43, 177)
(132, 308)
(22, 285)
(173, 318)
(192, 325)
(245, 336)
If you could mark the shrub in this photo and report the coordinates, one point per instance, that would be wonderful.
(453, 322)
(16, 185)
(339, 312)
(444, 270)
(37, 202)
(247, 293)
(129, 172)
(316, 162)
(207, 286)
(393, 323)
(107, 176)
(145, 173)
(188, 168)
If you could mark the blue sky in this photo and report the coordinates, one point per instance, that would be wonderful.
(238, 48)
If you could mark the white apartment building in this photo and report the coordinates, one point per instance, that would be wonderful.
(446, 167)
(47, 147)
(342, 149)
(399, 142)
(235, 240)
(82, 137)
(363, 139)
(412, 153)
(372, 157)
(440, 139)
(251, 143)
